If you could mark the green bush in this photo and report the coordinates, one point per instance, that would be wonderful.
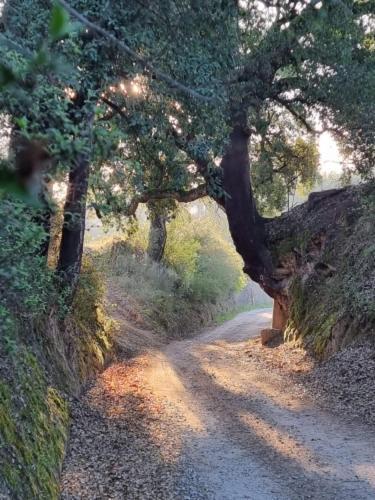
(198, 248)
(45, 348)
(33, 415)
(26, 284)
(199, 273)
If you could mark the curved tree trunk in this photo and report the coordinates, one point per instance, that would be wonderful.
(245, 224)
(157, 235)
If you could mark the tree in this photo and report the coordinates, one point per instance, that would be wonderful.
(157, 235)
(304, 58)
(280, 167)
(216, 72)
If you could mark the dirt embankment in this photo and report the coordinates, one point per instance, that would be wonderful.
(324, 255)
(344, 383)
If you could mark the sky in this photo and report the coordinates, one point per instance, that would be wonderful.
(330, 158)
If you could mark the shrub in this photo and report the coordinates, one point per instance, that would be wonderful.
(198, 275)
(199, 249)
(26, 284)
(42, 353)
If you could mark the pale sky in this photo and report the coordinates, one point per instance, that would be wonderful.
(330, 158)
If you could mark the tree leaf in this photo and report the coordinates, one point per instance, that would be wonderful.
(59, 24)
(21, 122)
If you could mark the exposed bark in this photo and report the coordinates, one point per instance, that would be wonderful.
(279, 317)
(245, 224)
(71, 247)
(157, 236)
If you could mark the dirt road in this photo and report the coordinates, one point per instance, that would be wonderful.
(199, 420)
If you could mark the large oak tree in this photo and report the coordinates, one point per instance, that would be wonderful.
(211, 77)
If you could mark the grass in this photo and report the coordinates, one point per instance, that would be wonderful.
(157, 295)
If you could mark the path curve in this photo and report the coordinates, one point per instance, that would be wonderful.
(198, 420)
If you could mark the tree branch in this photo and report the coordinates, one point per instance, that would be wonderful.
(123, 47)
(117, 110)
(296, 115)
(180, 196)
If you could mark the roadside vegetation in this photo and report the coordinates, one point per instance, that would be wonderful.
(48, 348)
(198, 278)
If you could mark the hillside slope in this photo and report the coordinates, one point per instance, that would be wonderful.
(324, 250)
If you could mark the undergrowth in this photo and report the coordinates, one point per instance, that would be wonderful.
(46, 349)
(196, 281)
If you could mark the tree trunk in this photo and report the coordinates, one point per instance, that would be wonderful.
(32, 161)
(71, 247)
(245, 224)
(157, 235)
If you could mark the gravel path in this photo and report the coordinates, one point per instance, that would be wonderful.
(204, 418)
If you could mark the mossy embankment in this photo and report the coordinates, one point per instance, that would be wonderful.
(43, 361)
(325, 252)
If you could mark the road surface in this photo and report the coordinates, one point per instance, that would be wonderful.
(198, 420)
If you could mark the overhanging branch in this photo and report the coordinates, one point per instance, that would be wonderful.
(123, 47)
(180, 196)
(296, 115)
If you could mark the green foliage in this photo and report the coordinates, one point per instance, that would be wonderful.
(282, 164)
(92, 327)
(44, 346)
(183, 247)
(6, 76)
(59, 23)
(26, 285)
(317, 61)
(199, 273)
(198, 249)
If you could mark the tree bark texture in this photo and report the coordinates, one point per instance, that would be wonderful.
(71, 247)
(157, 236)
(245, 224)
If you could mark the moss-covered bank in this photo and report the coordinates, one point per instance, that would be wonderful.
(41, 363)
(325, 252)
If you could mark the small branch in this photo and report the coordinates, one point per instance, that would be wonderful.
(296, 115)
(180, 196)
(115, 108)
(123, 47)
